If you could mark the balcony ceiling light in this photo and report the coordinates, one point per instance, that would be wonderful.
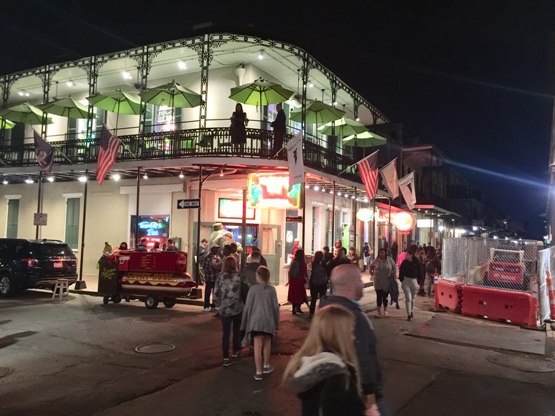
(116, 177)
(70, 83)
(50, 179)
(29, 180)
(82, 179)
(145, 176)
(5, 182)
(261, 55)
(181, 175)
(126, 75)
(182, 65)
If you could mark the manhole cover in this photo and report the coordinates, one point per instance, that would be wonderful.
(4, 371)
(154, 348)
(534, 365)
(152, 319)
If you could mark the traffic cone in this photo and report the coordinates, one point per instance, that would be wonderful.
(549, 284)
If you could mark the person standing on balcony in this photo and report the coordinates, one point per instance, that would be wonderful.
(238, 122)
(279, 130)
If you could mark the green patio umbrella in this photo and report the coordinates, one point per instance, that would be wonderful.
(24, 113)
(345, 126)
(260, 92)
(66, 107)
(317, 112)
(6, 124)
(118, 101)
(365, 139)
(172, 95)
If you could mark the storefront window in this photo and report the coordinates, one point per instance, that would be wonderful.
(291, 233)
(236, 230)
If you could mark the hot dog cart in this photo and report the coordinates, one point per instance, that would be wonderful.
(149, 276)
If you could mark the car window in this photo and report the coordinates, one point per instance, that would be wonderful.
(506, 257)
(51, 250)
(19, 248)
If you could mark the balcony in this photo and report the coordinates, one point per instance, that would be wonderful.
(188, 143)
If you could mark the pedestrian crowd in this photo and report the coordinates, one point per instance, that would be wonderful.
(336, 371)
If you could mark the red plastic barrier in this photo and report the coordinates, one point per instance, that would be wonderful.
(449, 295)
(497, 304)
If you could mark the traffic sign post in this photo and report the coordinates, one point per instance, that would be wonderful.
(188, 203)
(40, 219)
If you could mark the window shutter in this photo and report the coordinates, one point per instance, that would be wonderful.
(13, 217)
(72, 222)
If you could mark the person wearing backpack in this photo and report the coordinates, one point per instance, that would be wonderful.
(297, 278)
(212, 265)
(318, 282)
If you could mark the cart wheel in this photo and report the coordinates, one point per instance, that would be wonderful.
(170, 302)
(106, 299)
(151, 302)
(116, 298)
(127, 298)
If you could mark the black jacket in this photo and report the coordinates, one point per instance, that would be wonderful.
(366, 343)
(409, 269)
(279, 123)
(326, 387)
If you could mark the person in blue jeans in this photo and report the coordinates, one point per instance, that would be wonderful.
(227, 297)
(212, 265)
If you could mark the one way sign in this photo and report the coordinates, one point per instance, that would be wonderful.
(188, 203)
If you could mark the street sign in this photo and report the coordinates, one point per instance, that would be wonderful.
(188, 203)
(40, 219)
(294, 218)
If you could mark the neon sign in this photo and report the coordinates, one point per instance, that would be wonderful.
(271, 190)
(404, 221)
(365, 215)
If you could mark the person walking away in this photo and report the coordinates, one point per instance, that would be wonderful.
(227, 297)
(171, 245)
(250, 269)
(234, 253)
(422, 261)
(353, 257)
(279, 130)
(297, 276)
(340, 258)
(254, 249)
(212, 265)
(348, 290)
(367, 254)
(433, 266)
(201, 254)
(261, 320)
(237, 129)
(383, 269)
(325, 371)
(318, 282)
(408, 275)
(394, 250)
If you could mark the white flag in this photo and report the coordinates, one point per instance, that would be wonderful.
(389, 175)
(295, 159)
(406, 184)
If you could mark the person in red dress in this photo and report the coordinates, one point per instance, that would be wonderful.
(297, 278)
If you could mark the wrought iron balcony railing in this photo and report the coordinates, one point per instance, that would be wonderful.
(207, 142)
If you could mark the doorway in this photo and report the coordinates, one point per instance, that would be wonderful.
(271, 246)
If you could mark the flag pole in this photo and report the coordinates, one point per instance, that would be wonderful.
(137, 207)
(39, 205)
(63, 154)
(81, 284)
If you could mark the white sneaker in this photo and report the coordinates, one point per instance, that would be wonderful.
(207, 309)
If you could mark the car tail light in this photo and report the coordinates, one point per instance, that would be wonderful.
(30, 262)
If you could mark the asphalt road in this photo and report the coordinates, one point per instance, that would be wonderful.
(78, 357)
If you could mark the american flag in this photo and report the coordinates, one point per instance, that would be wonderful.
(368, 168)
(107, 152)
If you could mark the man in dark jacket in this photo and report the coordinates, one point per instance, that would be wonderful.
(279, 130)
(348, 287)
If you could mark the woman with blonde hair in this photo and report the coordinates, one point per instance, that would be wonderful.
(325, 371)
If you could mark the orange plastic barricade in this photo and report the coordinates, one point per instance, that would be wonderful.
(449, 295)
(496, 304)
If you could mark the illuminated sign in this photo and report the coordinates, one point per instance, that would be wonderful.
(271, 190)
(424, 223)
(233, 209)
(365, 215)
(404, 221)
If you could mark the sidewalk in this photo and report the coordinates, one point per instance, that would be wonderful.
(92, 289)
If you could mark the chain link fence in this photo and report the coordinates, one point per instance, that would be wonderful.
(494, 263)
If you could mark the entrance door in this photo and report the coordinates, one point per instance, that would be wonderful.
(270, 245)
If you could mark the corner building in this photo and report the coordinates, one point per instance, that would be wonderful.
(169, 153)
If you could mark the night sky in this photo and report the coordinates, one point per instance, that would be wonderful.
(468, 76)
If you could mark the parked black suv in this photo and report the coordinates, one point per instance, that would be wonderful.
(28, 264)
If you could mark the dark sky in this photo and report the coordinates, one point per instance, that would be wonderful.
(468, 76)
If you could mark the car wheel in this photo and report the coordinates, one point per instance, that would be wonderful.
(151, 302)
(106, 299)
(170, 302)
(116, 298)
(7, 286)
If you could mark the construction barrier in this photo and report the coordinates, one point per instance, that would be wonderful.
(448, 295)
(500, 305)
